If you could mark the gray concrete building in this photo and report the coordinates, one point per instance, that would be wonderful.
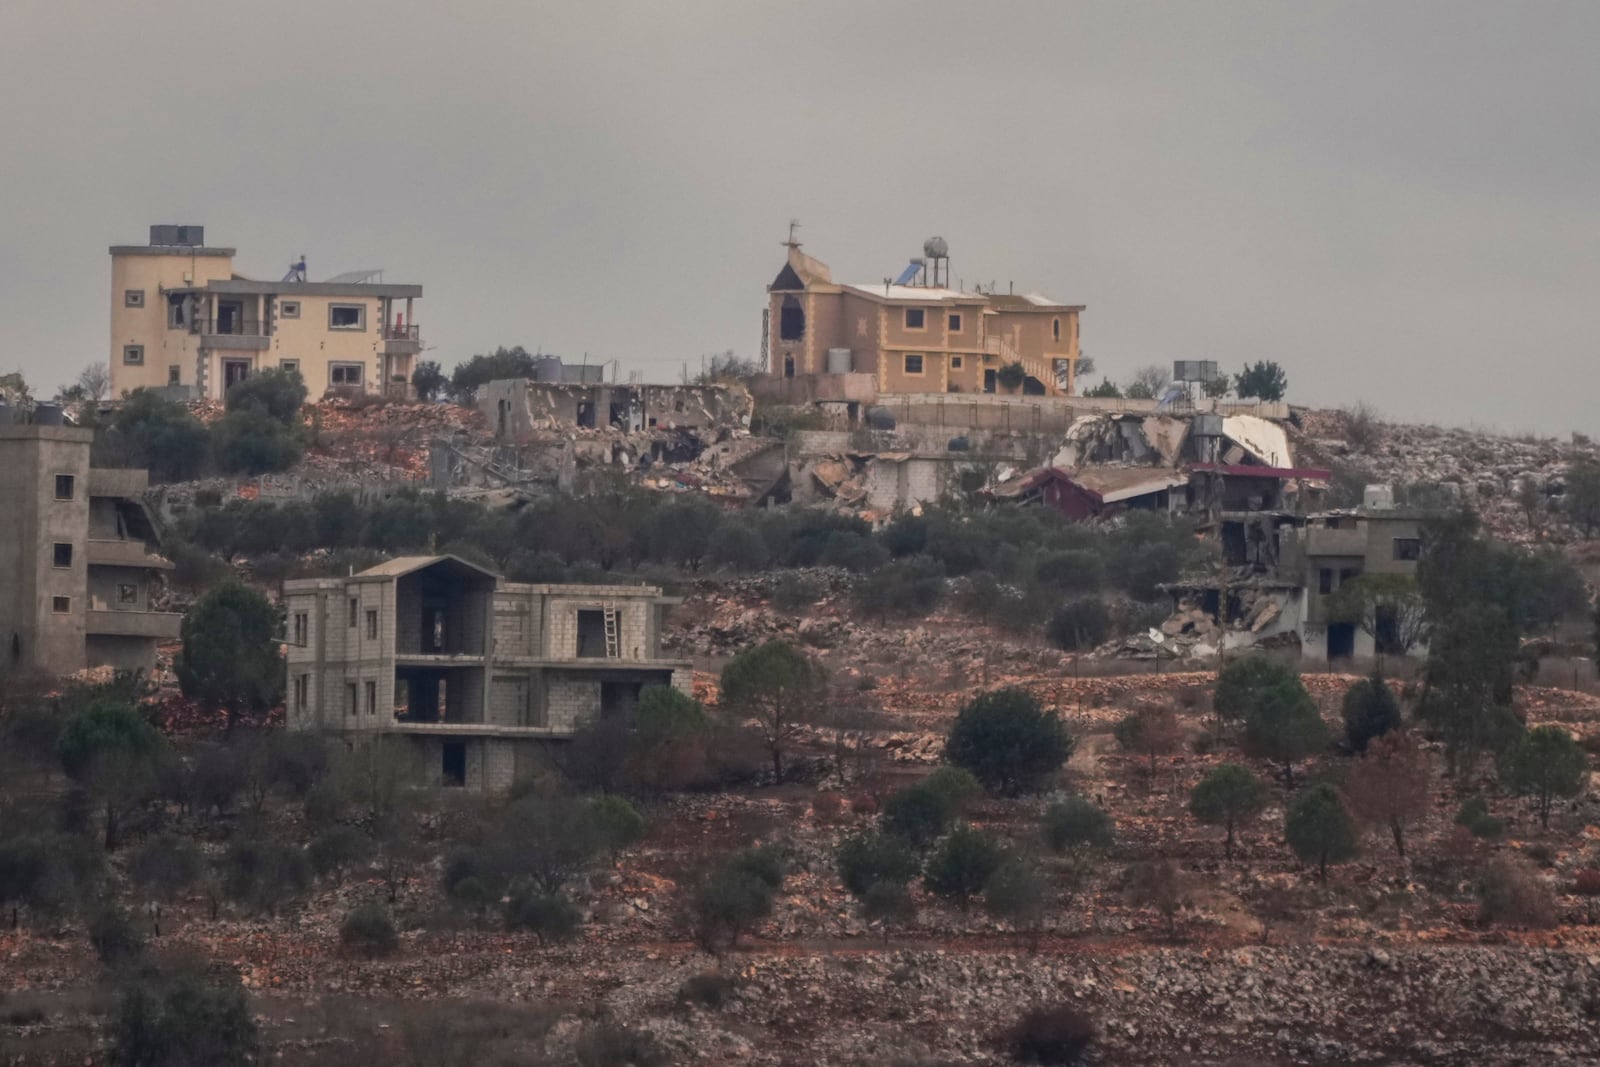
(79, 562)
(478, 674)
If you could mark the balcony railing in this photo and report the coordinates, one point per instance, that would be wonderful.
(397, 332)
(230, 327)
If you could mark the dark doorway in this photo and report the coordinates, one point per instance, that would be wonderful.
(230, 318)
(234, 371)
(591, 634)
(586, 414)
(990, 380)
(619, 701)
(1032, 386)
(453, 767)
(1386, 631)
(1341, 640)
(788, 366)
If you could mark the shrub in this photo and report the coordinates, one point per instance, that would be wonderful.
(909, 587)
(1018, 893)
(1071, 571)
(964, 862)
(264, 875)
(1007, 740)
(764, 864)
(791, 592)
(548, 916)
(610, 1045)
(1079, 625)
(868, 859)
(428, 380)
(182, 1020)
(917, 815)
(617, 822)
(1239, 682)
(1319, 828)
(1545, 763)
(1149, 732)
(1283, 725)
(1228, 797)
(957, 786)
(1509, 892)
(336, 850)
(1370, 711)
(708, 989)
(1474, 815)
(1058, 1035)
(727, 904)
(369, 930)
(1160, 885)
(249, 442)
(114, 939)
(276, 394)
(1075, 822)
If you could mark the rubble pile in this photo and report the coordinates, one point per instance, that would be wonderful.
(1477, 467)
(386, 440)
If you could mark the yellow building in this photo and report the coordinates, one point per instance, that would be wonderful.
(181, 316)
(915, 334)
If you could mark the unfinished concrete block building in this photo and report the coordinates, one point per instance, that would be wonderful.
(478, 674)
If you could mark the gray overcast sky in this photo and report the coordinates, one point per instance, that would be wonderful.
(1395, 201)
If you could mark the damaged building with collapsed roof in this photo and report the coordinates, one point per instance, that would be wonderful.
(476, 674)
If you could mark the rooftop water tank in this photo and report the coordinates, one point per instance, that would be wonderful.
(839, 361)
(547, 368)
(1378, 498)
(878, 418)
(47, 415)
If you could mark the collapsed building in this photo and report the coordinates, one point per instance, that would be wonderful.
(476, 674)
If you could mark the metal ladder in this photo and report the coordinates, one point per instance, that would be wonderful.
(613, 638)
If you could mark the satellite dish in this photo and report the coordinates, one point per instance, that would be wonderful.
(1157, 636)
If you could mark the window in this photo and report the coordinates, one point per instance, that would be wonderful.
(63, 554)
(352, 611)
(372, 625)
(347, 316)
(289, 364)
(344, 374)
(350, 698)
(302, 691)
(173, 375)
(913, 363)
(372, 698)
(127, 593)
(64, 483)
(133, 355)
(289, 309)
(791, 320)
(301, 628)
(955, 323)
(592, 634)
(177, 311)
(133, 298)
(955, 362)
(1055, 329)
(1325, 580)
(1408, 548)
(915, 318)
(61, 605)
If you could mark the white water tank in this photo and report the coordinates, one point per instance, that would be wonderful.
(1378, 498)
(839, 361)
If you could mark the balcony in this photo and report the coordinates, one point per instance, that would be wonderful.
(401, 340)
(114, 553)
(159, 625)
(232, 333)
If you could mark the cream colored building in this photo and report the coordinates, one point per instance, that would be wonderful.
(181, 316)
(915, 334)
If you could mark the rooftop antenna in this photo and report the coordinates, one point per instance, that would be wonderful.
(297, 270)
(794, 224)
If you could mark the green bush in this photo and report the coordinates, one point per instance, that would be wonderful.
(1319, 828)
(963, 863)
(1370, 711)
(113, 936)
(184, 1020)
(917, 815)
(276, 394)
(369, 930)
(336, 850)
(1079, 625)
(1073, 571)
(909, 587)
(709, 989)
(868, 859)
(1059, 1035)
(1474, 815)
(250, 442)
(1075, 822)
(1008, 741)
(548, 916)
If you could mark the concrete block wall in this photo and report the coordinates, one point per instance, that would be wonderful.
(508, 699)
(634, 621)
(571, 701)
(516, 625)
(499, 764)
